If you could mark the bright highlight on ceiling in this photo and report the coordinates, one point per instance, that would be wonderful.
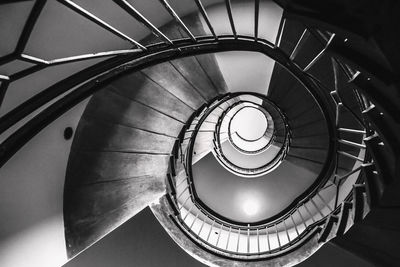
(250, 123)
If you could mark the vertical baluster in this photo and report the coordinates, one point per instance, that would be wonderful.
(316, 206)
(177, 19)
(206, 18)
(320, 54)
(277, 235)
(268, 242)
(125, 5)
(184, 203)
(238, 239)
(229, 237)
(187, 214)
(209, 232)
(201, 227)
(295, 226)
(302, 219)
(312, 217)
(219, 235)
(286, 230)
(299, 44)
(186, 188)
(258, 241)
(229, 10)
(197, 215)
(248, 238)
(78, 9)
(280, 32)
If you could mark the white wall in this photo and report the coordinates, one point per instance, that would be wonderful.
(246, 71)
(31, 198)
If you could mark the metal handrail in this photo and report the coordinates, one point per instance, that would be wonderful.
(252, 228)
(247, 171)
(302, 203)
(82, 85)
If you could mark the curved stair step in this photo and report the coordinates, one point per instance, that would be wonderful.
(115, 108)
(138, 87)
(104, 136)
(311, 165)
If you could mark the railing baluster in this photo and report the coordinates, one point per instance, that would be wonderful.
(277, 235)
(302, 219)
(125, 5)
(188, 212)
(219, 235)
(287, 233)
(350, 173)
(195, 219)
(248, 238)
(35, 60)
(350, 143)
(229, 9)
(320, 54)
(350, 156)
(209, 232)
(229, 237)
(280, 32)
(312, 217)
(295, 226)
(238, 239)
(184, 203)
(201, 227)
(339, 106)
(184, 190)
(268, 242)
(256, 15)
(258, 241)
(99, 22)
(206, 18)
(172, 12)
(299, 44)
(317, 208)
(352, 131)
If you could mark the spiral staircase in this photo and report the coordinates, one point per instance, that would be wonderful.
(236, 175)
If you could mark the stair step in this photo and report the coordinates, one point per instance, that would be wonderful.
(308, 164)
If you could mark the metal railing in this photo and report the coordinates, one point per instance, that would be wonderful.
(263, 240)
(307, 215)
(57, 99)
(251, 172)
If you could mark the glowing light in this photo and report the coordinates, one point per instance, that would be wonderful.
(250, 206)
(249, 123)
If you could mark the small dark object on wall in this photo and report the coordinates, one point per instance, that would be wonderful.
(68, 132)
